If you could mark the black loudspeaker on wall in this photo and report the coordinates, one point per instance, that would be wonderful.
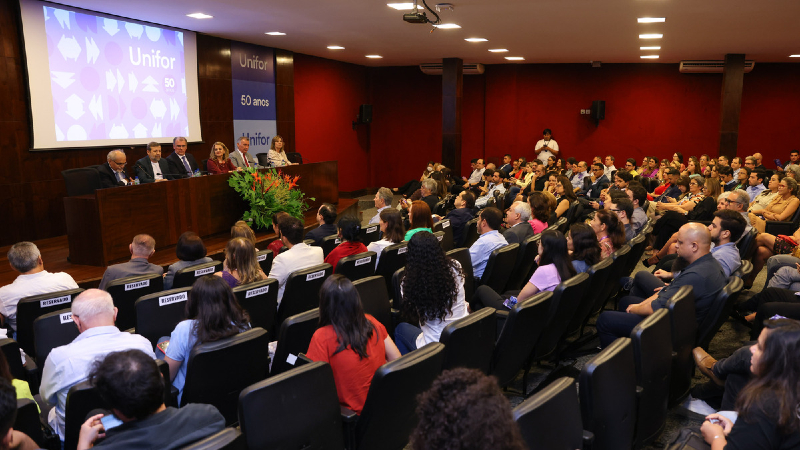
(598, 109)
(365, 114)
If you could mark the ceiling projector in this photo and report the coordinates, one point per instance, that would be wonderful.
(415, 17)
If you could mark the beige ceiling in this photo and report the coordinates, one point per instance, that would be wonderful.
(542, 31)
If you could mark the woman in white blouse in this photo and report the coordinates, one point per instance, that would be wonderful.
(391, 223)
(277, 154)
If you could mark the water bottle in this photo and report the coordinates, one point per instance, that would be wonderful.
(510, 302)
(197, 173)
(136, 181)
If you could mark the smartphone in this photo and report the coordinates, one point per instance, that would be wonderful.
(110, 421)
(715, 421)
(778, 163)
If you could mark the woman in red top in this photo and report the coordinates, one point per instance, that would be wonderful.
(353, 343)
(277, 244)
(349, 229)
(219, 161)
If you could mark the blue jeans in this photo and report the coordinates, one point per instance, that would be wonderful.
(405, 336)
(614, 324)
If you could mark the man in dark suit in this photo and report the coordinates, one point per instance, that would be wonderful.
(326, 215)
(594, 185)
(112, 173)
(464, 212)
(152, 168)
(181, 164)
(517, 219)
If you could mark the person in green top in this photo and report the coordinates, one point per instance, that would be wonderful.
(419, 216)
(21, 386)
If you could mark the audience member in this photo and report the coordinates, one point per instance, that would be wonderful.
(326, 215)
(190, 251)
(638, 196)
(277, 153)
(793, 163)
(22, 387)
(112, 173)
(517, 220)
(94, 314)
(474, 179)
(298, 257)
(594, 185)
(429, 189)
(412, 186)
(241, 157)
(609, 231)
(383, 200)
(181, 164)
(583, 246)
(609, 168)
(354, 343)
(540, 211)
(495, 185)
(464, 212)
(349, 231)
(507, 166)
(766, 196)
(782, 207)
(623, 208)
(219, 161)
(25, 258)
(419, 219)
(11, 438)
(432, 291)
(391, 223)
(240, 266)
(142, 248)
(277, 244)
(564, 195)
(489, 239)
(630, 167)
(242, 230)
(152, 168)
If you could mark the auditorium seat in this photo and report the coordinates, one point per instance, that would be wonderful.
(356, 267)
(551, 418)
(638, 244)
(302, 291)
(294, 157)
(444, 225)
(82, 181)
(53, 330)
(157, 314)
(607, 390)
(29, 308)
(652, 353)
(265, 258)
(188, 275)
(397, 292)
(10, 349)
(566, 298)
(263, 159)
(294, 337)
(82, 399)
(683, 328)
(462, 256)
(260, 300)
(388, 417)
(747, 244)
(470, 233)
(469, 341)
(593, 301)
(375, 300)
(329, 243)
(228, 439)
(526, 260)
(744, 270)
(218, 371)
(787, 227)
(125, 292)
(296, 409)
(370, 233)
(27, 420)
(499, 267)
(392, 258)
(719, 312)
(440, 237)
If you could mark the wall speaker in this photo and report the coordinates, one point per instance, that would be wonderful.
(599, 109)
(365, 114)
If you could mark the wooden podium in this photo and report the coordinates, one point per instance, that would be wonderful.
(101, 226)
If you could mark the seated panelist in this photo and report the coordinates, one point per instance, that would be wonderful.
(112, 173)
(152, 168)
(277, 153)
(241, 157)
(219, 161)
(181, 164)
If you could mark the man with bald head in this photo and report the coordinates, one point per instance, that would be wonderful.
(758, 159)
(701, 271)
(142, 248)
(112, 173)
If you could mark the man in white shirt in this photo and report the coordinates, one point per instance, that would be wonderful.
(299, 256)
(241, 157)
(577, 178)
(495, 185)
(383, 199)
(755, 184)
(490, 239)
(736, 165)
(94, 314)
(610, 168)
(25, 258)
(474, 180)
(546, 147)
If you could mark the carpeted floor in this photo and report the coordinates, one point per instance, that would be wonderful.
(730, 337)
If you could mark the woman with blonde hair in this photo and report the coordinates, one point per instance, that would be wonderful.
(241, 265)
(781, 208)
(219, 160)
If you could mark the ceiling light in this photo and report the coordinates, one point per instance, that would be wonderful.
(515, 58)
(447, 26)
(335, 47)
(374, 56)
(651, 19)
(476, 40)
(651, 36)
(794, 56)
(275, 33)
(498, 50)
(199, 16)
(400, 6)
(649, 56)
(650, 48)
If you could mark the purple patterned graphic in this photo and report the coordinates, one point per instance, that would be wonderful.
(113, 79)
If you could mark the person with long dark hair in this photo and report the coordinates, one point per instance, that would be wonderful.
(349, 230)
(212, 313)
(355, 344)
(419, 216)
(555, 266)
(609, 231)
(583, 245)
(540, 211)
(565, 195)
(432, 290)
(391, 223)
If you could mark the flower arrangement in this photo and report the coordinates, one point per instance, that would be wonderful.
(268, 193)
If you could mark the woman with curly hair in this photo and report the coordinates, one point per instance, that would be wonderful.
(219, 161)
(609, 231)
(583, 245)
(432, 293)
(419, 216)
(355, 344)
(465, 409)
(349, 231)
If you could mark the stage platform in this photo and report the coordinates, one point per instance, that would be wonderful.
(55, 251)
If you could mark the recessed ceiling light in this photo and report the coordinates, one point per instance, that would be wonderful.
(498, 50)
(515, 58)
(374, 56)
(651, 36)
(476, 40)
(199, 16)
(400, 6)
(649, 57)
(651, 19)
(335, 47)
(447, 26)
(794, 56)
(650, 48)
(275, 33)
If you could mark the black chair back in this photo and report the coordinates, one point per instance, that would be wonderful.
(302, 291)
(294, 157)
(293, 338)
(53, 330)
(519, 335)
(158, 313)
(260, 300)
(470, 233)
(82, 398)
(329, 243)
(10, 350)
(620, 257)
(265, 258)
(447, 241)
(567, 296)
(744, 270)
(389, 417)
(719, 312)
(528, 249)
(263, 159)
(593, 301)
(392, 258)
(81, 181)
(356, 267)
(608, 396)
(638, 244)
(574, 213)
(747, 244)
(218, 371)
(375, 300)
(29, 308)
(469, 341)
(188, 275)
(563, 223)
(397, 294)
(440, 237)
(499, 267)
(227, 439)
(652, 353)
(551, 418)
(275, 413)
(462, 256)
(27, 420)
(125, 292)
(370, 233)
(683, 327)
